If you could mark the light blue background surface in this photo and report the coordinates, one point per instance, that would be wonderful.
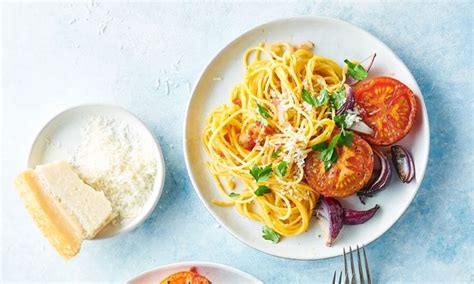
(59, 55)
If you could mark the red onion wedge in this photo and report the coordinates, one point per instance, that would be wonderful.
(331, 210)
(355, 217)
(380, 180)
(350, 101)
(403, 162)
(367, 64)
(336, 215)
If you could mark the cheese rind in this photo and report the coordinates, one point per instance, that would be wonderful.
(65, 209)
(47, 215)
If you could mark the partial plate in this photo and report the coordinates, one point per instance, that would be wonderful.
(62, 134)
(337, 40)
(215, 272)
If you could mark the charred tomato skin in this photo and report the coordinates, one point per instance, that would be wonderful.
(388, 107)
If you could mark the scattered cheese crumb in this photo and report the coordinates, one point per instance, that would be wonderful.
(307, 108)
(103, 27)
(217, 78)
(352, 116)
(189, 86)
(167, 87)
(72, 21)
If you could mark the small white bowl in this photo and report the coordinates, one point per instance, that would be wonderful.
(215, 272)
(62, 134)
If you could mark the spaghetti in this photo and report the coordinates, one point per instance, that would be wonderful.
(269, 125)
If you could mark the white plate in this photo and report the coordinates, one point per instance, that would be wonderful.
(334, 39)
(62, 134)
(214, 272)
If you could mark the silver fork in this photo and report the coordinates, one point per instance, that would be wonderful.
(353, 277)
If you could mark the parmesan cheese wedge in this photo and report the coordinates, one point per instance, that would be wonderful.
(65, 209)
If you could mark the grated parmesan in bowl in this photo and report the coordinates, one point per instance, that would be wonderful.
(111, 158)
(113, 151)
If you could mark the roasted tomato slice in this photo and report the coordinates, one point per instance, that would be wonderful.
(348, 175)
(185, 277)
(388, 107)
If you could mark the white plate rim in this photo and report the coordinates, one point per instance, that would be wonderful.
(419, 174)
(156, 194)
(198, 264)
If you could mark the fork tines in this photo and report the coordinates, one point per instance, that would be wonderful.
(352, 277)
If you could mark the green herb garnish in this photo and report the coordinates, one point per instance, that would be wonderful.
(261, 190)
(320, 100)
(233, 194)
(334, 141)
(340, 120)
(276, 154)
(320, 146)
(308, 98)
(281, 169)
(263, 111)
(270, 235)
(338, 98)
(331, 160)
(261, 173)
(356, 71)
(328, 152)
(345, 139)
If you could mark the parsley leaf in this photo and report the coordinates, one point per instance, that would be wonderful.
(329, 154)
(270, 235)
(261, 190)
(261, 173)
(320, 146)
(338, 98)
(356, 71)
(276, 154)
(345, 139)
(322, 98)
(340, 120)
(335, 140)
(326, 154)
(307, 97)
(281, 169)
(332, 159)
(233, 194)
(263, 111)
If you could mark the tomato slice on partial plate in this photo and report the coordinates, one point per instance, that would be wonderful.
(388, 107)
(347, 176)
(185, 277)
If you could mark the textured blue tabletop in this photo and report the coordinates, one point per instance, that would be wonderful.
(146, 57)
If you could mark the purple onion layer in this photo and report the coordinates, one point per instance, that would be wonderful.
(403, 162)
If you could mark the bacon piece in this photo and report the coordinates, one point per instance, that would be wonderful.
(249, 138)
(237, 101)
